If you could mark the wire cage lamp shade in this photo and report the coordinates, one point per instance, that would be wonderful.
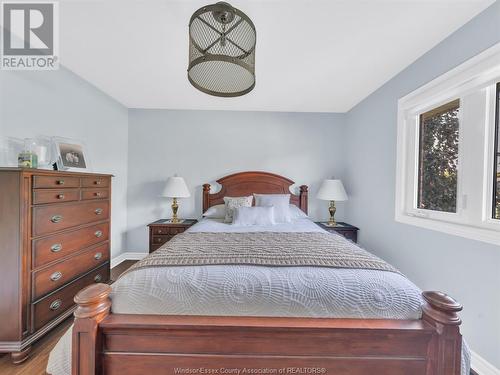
(222, 51)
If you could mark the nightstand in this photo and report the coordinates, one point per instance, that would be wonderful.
(163, 230)
(347, 230)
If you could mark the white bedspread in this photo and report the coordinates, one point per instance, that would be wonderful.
(259, 291)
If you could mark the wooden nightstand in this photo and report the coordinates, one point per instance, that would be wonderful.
(163, 230)
(347, 230)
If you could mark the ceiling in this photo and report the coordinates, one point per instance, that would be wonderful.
(311, 56)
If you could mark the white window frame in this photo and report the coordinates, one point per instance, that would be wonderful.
(474, 83)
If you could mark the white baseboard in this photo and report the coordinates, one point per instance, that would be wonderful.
(127, 256)
(482, 366)
(478, 363)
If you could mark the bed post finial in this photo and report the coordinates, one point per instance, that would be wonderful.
(206, 197)
(441, 311)
(303, 198)
(93, 305)
(93, 302)
(442, 308)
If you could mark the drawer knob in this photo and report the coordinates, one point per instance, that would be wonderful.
(97, 278)
(98, 194)
(60, 196)
(56, 276)
(56, 218)
(55, 305)
(97, 256)
(98, 182)
(60, 182)
(98, 233)
(55, 248)
(98, 211)
(159, 231)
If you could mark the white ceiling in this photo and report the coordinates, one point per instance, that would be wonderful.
(311, 56)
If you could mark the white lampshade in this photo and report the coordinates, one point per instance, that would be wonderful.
(332, 190)
(176, 188)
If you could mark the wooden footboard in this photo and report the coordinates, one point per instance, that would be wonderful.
(110, 344)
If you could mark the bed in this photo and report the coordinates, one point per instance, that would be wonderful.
(257, 317)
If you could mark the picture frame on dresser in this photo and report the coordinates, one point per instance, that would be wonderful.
(71, 155)
(54, 241)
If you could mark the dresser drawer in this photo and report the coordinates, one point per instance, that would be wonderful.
(49, 249)
(168, 230)
(95, 181)
(153, 248)
(160, 240)
(95, 194)
(55, 276)
(350, 235)
(40, 182)
(55, 304)
(55, 195)
(49, 219)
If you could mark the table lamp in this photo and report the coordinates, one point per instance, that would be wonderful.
(175, 188)
(332, 190)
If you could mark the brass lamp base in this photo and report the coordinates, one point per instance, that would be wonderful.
(332, 209)
(175, 207)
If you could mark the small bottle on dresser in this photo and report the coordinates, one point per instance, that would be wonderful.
(28, 158)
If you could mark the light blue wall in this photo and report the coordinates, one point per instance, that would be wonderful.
(60, 103)
(466, 269)
(203, 146)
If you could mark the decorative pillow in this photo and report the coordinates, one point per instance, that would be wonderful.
(233, 202)
(296, 213)
(280, 202)
(216, 212)
(254, 216)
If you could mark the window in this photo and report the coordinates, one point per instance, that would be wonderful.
(438, 158)
(496, 158)
(447, 148)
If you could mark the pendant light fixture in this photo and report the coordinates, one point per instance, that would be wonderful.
(221, 51)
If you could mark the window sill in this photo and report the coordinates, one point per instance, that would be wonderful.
(488, 235)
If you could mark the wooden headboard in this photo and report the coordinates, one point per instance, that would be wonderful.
(247, 183)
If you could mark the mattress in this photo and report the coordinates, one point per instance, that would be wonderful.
(250, 290)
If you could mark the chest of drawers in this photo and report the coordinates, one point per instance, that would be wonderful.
(54, 241)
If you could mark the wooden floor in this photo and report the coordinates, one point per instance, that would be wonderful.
(119, 269)
(37, 362)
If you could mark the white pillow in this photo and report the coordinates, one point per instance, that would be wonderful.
(234, 202)
(296, 213)
(254, 216)
(216, 212)
(280, 202)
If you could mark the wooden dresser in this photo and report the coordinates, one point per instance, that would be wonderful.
(54, 241)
